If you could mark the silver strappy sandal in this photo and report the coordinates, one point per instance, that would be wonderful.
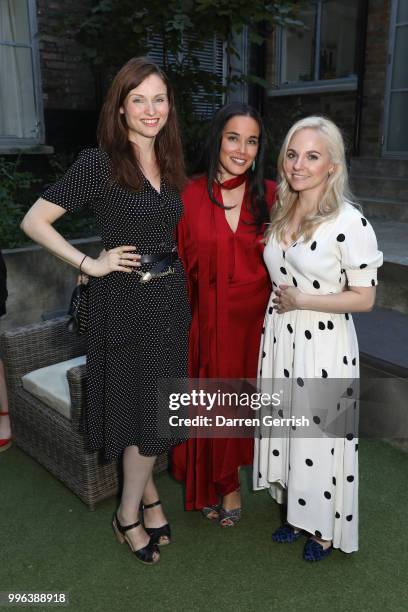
(207, 511)
(229, 518)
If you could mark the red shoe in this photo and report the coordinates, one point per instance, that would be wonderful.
(5, 443)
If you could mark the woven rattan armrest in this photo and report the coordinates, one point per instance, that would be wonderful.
(36, 346)
(77, 389)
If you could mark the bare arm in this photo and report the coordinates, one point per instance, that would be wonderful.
(38, 225)
(354, 299)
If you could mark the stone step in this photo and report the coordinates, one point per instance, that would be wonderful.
(395, 188)
(383, 339)
(392, 240)
(384, 209)
(379, 166)
(392, 291)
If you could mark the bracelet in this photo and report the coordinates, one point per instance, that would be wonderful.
(80, 265)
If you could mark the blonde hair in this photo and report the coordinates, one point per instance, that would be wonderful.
(337, 189)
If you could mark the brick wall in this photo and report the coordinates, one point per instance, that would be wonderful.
(68, 86)
(70, 99)
(375, 75)
(67, 81)
(281, 112)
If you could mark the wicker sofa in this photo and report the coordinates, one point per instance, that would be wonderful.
(55, 441)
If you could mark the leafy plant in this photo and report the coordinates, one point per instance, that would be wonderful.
(16, 187)
(20, 188)
(112, 31)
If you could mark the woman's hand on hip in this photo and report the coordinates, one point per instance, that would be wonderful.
(287, 299)
(119, 259)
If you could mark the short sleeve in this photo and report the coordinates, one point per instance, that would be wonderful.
(82, 184)
(360, 257)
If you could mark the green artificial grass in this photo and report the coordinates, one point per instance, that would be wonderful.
(50, 541)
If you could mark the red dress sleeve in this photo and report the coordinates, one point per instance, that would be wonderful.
(181, 238)
(186, 245)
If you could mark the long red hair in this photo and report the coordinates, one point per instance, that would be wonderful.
(113, 131)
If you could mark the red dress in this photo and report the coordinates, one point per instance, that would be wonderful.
(229, 289)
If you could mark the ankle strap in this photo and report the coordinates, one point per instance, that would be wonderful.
(4, 413)
(147, 506)
(123, 528)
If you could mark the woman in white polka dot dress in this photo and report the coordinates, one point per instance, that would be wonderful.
(137, 331)
(322, 257)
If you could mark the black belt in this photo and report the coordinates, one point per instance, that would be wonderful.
(171, 256)
(161, 261)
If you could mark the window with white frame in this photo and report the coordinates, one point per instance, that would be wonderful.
(20, 99)
(323, 51)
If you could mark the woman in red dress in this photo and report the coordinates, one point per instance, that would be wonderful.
(219, 239)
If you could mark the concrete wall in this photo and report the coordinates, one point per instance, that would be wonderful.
(39, 283)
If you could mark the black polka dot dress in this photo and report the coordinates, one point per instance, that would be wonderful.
(138, 332)
(317, 475)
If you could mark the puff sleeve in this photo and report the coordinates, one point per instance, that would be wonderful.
(359, 254)
(81, 186)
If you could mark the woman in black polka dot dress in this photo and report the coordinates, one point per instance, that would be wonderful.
(137, 330)
(322, 257)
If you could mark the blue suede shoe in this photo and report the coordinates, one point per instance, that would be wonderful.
(286, 534)
(314, 551)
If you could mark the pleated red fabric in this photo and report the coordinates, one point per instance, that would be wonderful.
(229, 288)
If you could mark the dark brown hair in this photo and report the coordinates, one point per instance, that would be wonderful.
(113, 130)
(256, 182)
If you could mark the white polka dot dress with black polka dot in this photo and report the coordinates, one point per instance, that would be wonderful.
(317, 477)
(137, 332)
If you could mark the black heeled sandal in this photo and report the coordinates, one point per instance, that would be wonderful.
(158, 535)
(145, 554)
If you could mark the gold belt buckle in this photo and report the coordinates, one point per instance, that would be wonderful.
(147, 276)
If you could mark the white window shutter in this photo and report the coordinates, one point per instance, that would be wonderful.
(211, 58)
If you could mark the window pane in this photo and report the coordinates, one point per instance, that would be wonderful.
(210, 56)
(14, 21)
(402, 15)
(400, 64)
(338, 39)
(298, 49)
(17, 101)
(398, 123)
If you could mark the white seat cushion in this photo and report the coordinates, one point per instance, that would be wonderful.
(50, 385)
